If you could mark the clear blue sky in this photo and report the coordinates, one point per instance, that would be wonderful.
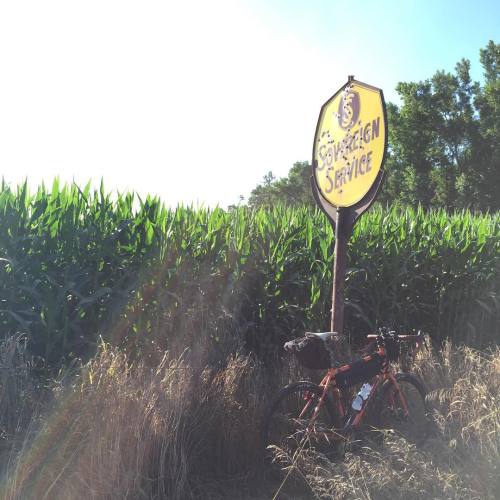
(196, 101)
(388, 41)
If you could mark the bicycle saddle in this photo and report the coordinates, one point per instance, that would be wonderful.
(324, 336)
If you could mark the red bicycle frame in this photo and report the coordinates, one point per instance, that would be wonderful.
(329, 385)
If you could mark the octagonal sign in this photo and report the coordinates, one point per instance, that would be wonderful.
(350, 143)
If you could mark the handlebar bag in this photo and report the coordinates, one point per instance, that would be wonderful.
(392, 348)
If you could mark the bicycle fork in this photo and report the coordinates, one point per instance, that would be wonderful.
(401, 397)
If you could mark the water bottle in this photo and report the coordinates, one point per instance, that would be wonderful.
(362, 396)
(357, 403)
(365, 391)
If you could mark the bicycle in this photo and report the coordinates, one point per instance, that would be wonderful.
(323, 415)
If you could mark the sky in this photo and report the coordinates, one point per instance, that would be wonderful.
(196, 101)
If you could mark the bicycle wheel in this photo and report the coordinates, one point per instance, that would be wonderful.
(412, 424)
(286, 428)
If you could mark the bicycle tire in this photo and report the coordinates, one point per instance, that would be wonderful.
(390, 413)
(283, 432)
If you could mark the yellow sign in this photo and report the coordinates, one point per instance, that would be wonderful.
(350, 143)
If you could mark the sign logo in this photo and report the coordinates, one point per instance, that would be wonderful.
(350, 143)
(348, 109)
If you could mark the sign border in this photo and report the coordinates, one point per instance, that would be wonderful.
(369, 195)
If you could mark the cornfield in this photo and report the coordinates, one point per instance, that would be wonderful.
(77, 265)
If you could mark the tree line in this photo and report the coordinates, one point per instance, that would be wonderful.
(443, 148)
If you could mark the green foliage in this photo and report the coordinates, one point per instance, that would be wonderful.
(78, 264)
(295, 189)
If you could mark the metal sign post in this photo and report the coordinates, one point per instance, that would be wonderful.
(348, 154)
(339, 268)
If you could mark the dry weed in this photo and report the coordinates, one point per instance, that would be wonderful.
(122, 430)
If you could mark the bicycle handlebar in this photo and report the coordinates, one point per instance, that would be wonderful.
(405, 337)
(418, 336)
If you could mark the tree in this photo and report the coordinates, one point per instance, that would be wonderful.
(443, 139)
(295, 189)
(487, 145)
(443, 145)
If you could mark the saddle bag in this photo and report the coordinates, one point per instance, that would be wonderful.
(311, 352)
(360, 371)
(315, 353)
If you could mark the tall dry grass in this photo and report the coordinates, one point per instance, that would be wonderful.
(127, 431)
(19, 393)
(122, 430)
